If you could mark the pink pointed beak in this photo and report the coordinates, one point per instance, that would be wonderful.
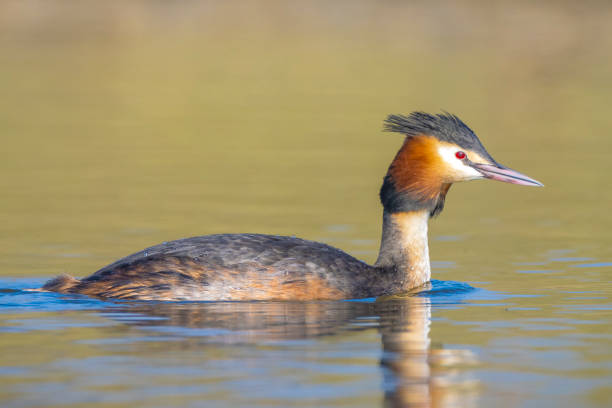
(501, 173)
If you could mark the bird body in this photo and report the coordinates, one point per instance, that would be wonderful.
(230, 267)
(438, 150)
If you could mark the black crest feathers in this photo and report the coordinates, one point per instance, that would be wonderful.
(445, 127)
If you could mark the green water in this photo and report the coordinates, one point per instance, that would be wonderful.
(125, 124)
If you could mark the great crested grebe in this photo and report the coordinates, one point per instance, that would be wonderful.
(438, 150)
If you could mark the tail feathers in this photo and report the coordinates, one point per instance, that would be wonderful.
(61, 284)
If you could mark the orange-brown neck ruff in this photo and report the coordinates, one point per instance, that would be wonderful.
(404, 248)
(415, 180)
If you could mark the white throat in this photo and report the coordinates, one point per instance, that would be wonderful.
(404, 248)
(413, 234)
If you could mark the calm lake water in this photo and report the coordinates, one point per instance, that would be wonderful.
(125, 124)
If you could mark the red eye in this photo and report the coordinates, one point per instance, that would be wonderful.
(460, 155)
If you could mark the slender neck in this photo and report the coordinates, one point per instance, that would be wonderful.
(404, 249)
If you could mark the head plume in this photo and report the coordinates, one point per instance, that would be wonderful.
(444, 126)
(411, 183)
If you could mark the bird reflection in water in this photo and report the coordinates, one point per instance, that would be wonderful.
(415, 374)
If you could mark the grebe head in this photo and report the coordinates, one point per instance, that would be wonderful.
(438, 150)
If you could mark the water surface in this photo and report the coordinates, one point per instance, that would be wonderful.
(124, 125)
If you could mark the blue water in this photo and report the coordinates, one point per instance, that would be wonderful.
(314, 352)
(451, 345)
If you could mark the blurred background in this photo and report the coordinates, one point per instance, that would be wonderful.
(127, 123)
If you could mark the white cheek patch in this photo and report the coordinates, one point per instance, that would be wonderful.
(455, 167)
